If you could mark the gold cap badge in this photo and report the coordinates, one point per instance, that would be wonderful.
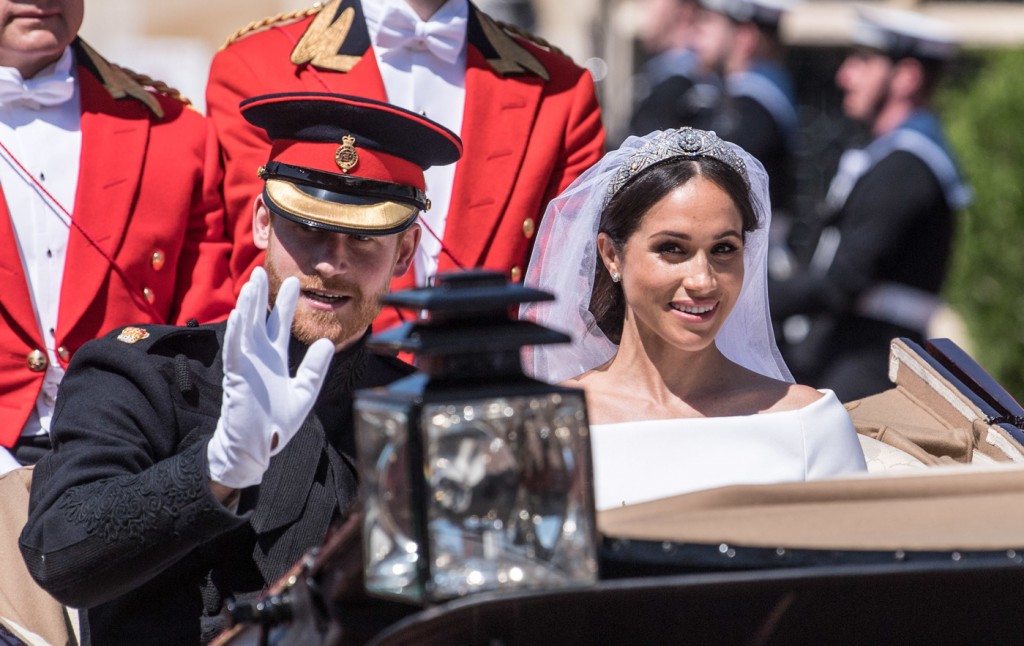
(132, 335)
(346, 156)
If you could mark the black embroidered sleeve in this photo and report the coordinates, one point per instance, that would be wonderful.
(162, 500)
(124, 494)
(132, 528)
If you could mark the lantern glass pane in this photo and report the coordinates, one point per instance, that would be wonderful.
(390, 551)
(509, 502)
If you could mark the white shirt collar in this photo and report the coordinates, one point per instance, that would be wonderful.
(375, 10)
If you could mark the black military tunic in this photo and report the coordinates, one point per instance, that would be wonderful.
(879, 264)
(675, 102)
(672, 93)
(758, 114)
(122, 520)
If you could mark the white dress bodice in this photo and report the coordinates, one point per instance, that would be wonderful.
(645, 460)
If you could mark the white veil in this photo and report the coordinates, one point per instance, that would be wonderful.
(565, 255)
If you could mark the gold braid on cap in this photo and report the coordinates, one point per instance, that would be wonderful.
(684, 142)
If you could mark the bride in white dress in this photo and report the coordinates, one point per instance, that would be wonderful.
(657, 258)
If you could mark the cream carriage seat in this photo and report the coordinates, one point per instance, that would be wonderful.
(930, 418)
(885, 458)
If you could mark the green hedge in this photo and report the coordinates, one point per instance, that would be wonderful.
(982, 107)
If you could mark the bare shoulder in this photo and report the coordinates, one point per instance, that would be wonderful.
(603, 406)
(590, 382)
(575, 382)
(796, 397)
(750, 393)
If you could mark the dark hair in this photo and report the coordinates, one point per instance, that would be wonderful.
(932, 71)
(623, 214)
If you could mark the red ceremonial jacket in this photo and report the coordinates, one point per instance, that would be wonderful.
(531, 125)
(148, 198)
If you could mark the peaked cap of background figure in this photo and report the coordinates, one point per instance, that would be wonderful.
(347, 164)
(902, 34)
(762, 12)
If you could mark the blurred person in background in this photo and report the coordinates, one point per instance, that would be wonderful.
(670, 90)
(516, 12)
(738, 40)
(110, 214)
(528, 117)
(880, 260)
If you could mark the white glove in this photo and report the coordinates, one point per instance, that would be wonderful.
(262, 407)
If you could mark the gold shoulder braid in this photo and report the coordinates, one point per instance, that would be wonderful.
(525, 35)
(120, 83)
(512, 57)
(260, 25)
(323, 39)
(150, 82)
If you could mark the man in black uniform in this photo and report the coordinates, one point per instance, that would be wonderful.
(671, 90)
(738, 40)
(197, 463)
(878, 265)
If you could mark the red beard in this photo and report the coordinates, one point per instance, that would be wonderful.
(310, 325)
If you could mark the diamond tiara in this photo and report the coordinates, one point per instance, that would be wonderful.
(684, 142)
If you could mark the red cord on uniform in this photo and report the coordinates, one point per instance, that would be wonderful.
(110, 261)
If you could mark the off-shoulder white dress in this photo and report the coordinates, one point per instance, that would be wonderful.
(640, 461)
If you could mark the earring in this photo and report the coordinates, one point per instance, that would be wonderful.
(616, 277)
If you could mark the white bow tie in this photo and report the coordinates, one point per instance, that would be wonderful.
(399, 30)
(52, 89)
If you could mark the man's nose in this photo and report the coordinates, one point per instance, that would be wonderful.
(844, 71)
(331, 255)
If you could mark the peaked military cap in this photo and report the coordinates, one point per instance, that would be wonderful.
(901, 34)
(347, 164)
(763, 12)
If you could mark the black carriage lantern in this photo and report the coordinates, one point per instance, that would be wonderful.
(474, 476)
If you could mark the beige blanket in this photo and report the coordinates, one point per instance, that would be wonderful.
(25, 609)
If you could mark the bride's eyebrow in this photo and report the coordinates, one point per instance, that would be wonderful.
(731, 233)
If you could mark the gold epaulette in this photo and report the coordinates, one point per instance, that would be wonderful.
(158, 86)
(119, 82)
(525, 35)
(260, 25)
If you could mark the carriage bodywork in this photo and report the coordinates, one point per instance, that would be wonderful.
(928, 547)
